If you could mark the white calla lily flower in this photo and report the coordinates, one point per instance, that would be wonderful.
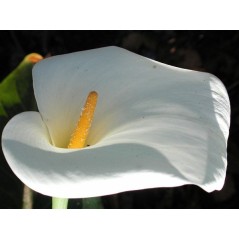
(154, 126)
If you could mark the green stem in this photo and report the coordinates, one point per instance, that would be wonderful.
(27, 201)
(59, 203)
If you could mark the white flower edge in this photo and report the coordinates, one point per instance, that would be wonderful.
(168, 133)
(95, 171)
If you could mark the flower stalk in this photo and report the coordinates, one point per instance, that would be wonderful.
(27, 200)
(59, 203)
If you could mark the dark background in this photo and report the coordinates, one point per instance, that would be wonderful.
(216, 52)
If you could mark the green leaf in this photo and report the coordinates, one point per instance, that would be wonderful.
(2, 111)
(92, 203)
(15, 87)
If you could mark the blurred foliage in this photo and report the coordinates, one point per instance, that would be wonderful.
(16, 95)
(14, 88)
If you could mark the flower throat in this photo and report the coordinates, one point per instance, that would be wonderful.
(81, 132)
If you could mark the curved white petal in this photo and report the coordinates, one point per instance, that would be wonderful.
(115, 165)
(129, 87)
(155, 126)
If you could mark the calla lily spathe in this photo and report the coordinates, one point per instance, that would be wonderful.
(155, 126)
